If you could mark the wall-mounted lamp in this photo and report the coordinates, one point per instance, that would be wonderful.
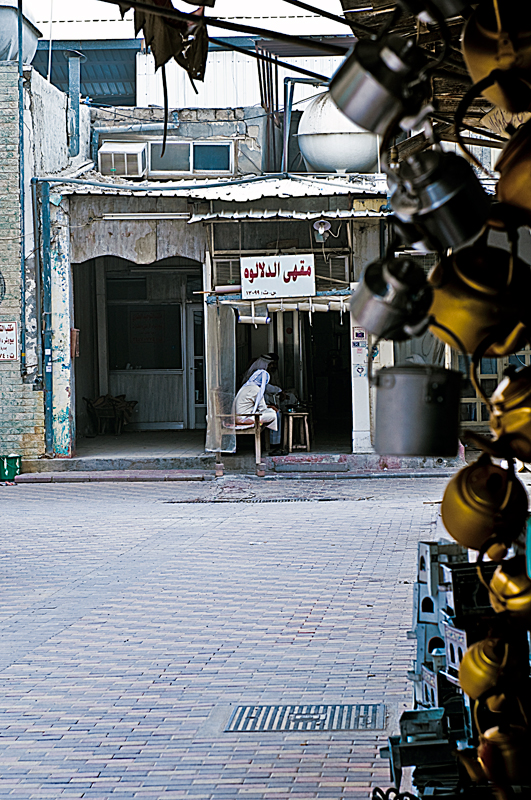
(321, 230)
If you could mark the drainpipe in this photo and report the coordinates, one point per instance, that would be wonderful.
(37, 385)
(22, 197)
(147, 127)
(289, 90)
(74, 92)
(47, 317)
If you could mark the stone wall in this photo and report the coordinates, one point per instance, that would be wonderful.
(21, 408)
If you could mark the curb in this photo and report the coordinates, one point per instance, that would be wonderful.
(114, 476)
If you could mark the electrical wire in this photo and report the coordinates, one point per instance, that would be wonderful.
(216, 22)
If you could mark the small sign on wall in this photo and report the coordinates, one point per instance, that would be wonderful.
(8, 341)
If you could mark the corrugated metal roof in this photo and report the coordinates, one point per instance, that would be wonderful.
(242, 190)
(270, 213)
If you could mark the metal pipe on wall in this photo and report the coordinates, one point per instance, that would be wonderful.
(47, 317)
(289, 90)
(38, 383)
(22, 194)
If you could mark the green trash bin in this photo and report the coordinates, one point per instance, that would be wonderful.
(9, 467)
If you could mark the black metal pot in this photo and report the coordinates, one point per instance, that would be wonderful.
(378, 83)
(417, 411)
(451, 205)
(392, 293)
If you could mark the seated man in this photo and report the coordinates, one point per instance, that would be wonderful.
(250, 400)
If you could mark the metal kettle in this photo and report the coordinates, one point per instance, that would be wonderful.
(510, 590)
(483, 500)
(482, 667)
(441, 193)
(514, 166)
(380, 82)
(417, 411)
(510, 418)
(504, 756)
(478, 292)
(393, 293)
(497, 36)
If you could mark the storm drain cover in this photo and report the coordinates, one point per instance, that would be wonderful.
(249, 719)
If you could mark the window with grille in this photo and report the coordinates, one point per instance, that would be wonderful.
(474, 412)
(331, 272)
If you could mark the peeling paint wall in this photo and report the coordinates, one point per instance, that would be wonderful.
(139, 241)
(62, 316)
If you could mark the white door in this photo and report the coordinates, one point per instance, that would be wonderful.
(196, 366)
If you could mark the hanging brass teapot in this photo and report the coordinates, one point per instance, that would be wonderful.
(510, 418)
(510, 590)
(479, 292)
(482, 667)
(514, 166)
(482, 501)
(504, 755)
(497, 36)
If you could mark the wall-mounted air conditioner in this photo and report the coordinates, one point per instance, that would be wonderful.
(127, 159)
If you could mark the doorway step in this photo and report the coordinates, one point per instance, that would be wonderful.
(358, 464)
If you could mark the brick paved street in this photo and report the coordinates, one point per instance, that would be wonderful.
(132, 624)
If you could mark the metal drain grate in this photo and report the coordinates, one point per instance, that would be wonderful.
(249, 719)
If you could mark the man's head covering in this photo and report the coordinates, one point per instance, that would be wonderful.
(261, 378)
(260, 363)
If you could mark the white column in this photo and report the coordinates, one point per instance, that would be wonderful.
(361, 412)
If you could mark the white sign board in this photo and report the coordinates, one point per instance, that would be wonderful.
(265, 277)
(8, 341)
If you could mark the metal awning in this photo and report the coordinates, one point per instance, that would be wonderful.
(271, 213)
(237, 190)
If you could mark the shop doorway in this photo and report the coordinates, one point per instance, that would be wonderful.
(142, 337)
(314, 365)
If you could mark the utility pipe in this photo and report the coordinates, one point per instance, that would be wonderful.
(47, 315)
(22, 196)
(74, 59)
(38, 383)
(289, 89)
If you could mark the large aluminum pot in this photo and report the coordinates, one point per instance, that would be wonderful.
(481, 500)
(417, 411)
(510, 417)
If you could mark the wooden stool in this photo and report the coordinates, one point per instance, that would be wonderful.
(302, 416)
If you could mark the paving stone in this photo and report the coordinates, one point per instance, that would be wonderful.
(136, 616)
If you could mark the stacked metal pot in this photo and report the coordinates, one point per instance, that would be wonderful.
(477, 300)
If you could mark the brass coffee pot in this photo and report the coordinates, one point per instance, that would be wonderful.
(510, 418)
(504, 755)
(510, 590)
(514, 166)
(482, 667)
(482, 501)
(497, 36)
(479, 292)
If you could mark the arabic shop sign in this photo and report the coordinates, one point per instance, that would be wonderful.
(8, 341)
(277, 276)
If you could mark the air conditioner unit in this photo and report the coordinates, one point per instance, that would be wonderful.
(127, 159)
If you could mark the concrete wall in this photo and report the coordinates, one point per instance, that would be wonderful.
(21, 408)
(246, 126)
(140, 241)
